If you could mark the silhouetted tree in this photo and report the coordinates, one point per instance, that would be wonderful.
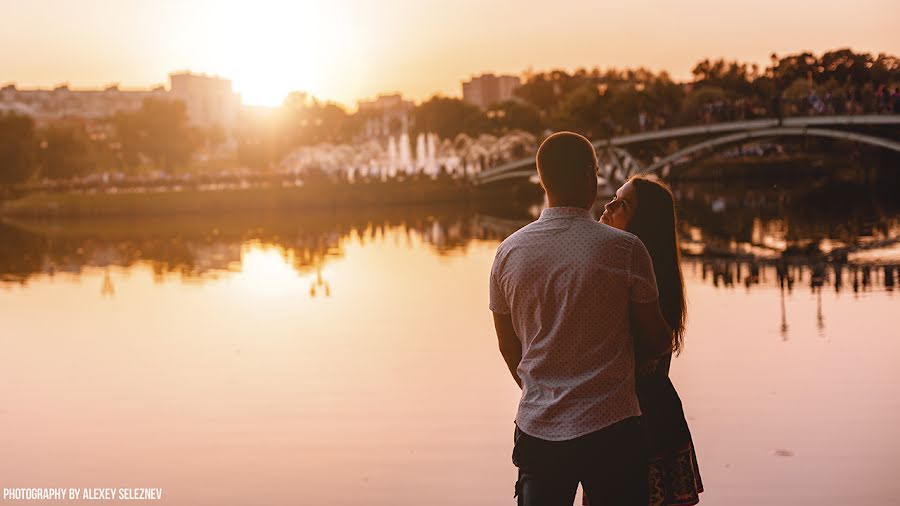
(732, 76)
(693, 107)
(579, 110)
(306, 121)
(17, 145)
(66, 151)
(21, 253)
(158, 130)
(514, 115)
(448, 117)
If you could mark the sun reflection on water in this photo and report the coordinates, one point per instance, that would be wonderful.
(266, 269)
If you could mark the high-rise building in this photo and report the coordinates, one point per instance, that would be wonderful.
(488, 89)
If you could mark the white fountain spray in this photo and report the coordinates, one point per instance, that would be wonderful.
(393, 163)
(406, 163)
(460, 156)
(421, 154)
(431, 166)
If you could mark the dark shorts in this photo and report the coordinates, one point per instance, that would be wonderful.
(610, 464)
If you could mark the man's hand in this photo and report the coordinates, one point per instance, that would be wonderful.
(510, 345)
(652, 335)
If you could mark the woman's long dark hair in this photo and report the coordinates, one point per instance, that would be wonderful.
(655, 223)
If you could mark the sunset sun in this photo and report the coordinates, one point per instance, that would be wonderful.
(270, 48)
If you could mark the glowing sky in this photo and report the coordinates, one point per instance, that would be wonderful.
(345, 50)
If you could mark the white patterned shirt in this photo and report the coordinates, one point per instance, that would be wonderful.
(566, 281)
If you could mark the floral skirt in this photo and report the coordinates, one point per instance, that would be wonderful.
(675, 478)
(673, 473)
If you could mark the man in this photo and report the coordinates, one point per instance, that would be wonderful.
(568, 293)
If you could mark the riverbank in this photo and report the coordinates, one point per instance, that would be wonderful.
(110, 203)
(812, 173)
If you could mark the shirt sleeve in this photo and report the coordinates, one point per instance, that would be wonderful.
(641, 279)
(498, 303)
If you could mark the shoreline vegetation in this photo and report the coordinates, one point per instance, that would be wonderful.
(172, 202)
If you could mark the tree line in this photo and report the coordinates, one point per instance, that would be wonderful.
(598, 103)
(155, 136)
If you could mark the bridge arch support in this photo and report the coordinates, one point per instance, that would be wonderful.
(678, 156)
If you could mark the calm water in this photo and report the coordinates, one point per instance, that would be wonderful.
(351, 359)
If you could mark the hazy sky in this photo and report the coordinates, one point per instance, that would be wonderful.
(345, 50)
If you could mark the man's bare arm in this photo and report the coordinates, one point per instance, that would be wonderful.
(652, 335)
(510, 346)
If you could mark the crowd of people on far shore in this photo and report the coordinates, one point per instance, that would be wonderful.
(853, 100)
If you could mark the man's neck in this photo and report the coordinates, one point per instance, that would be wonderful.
(556, 203)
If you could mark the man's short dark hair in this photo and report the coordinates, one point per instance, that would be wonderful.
(562, 161)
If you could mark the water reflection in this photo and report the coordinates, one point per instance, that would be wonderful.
(804, 218)
(198, 247)
(201, 246)
(277, 354)
(785, 273)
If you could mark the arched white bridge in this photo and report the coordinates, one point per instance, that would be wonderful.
(617, 164)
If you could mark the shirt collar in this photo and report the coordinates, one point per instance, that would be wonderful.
(551, 213)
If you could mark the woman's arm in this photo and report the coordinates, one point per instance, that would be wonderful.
(652, 335)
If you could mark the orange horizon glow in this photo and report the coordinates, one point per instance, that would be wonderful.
(344, 51)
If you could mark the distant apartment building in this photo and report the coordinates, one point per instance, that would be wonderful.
(386, 115)
(208, 100)
(488, 89)
(46, 106)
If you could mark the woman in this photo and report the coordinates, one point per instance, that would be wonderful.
(646, 208)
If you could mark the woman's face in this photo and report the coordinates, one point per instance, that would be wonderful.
(619, 211)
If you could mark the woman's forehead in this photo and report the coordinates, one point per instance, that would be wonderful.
(625, 190)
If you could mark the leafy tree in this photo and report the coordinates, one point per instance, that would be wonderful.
(791, 68)
(66, 151)
(692, 107)
(541, 91)
(842, 65)
(514, 115)
(17, 143)
(667, 95)
(330, 119)
(21, 252)
(547, 91)
(885, 69)
(730, 76)
(448, 117)
(306, 121)
(579, 110)
(158, 130)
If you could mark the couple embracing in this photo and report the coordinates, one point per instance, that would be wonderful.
(587, 316)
